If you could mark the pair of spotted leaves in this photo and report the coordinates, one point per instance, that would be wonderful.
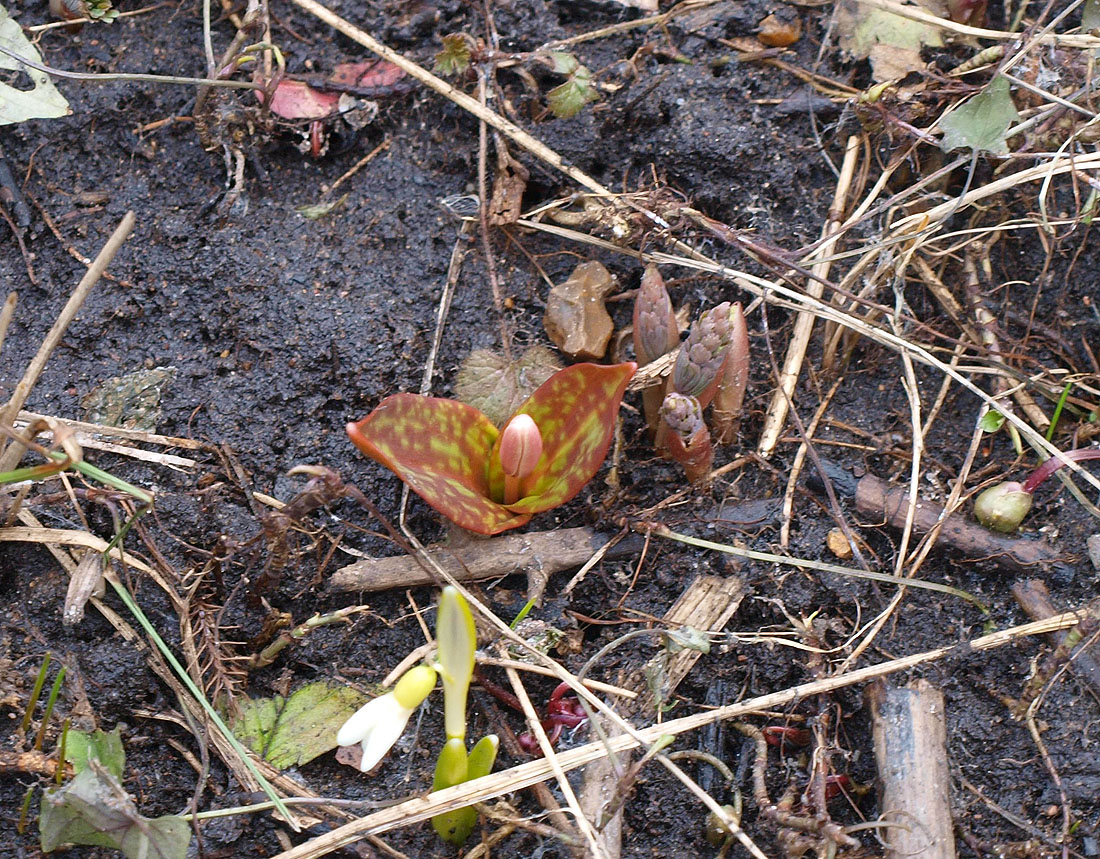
(448, 452)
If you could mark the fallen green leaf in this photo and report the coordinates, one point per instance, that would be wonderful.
(94, 809)
(980, 123)
(317, 211)
(81, 747)
(292, 731)
(19, 105)
(496, 386)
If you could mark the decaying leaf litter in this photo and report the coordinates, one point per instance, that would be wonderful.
(933, 276)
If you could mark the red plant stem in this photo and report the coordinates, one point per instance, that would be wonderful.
(1048, 468)
(512, 489)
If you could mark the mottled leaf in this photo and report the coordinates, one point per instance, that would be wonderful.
(490, 382)
(94, 809)
(575, 410)
(454, 59)
(569, 98)
(289, 732)
(440, 448)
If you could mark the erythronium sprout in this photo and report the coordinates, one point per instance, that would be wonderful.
(1003, 507)
(449, 453)
(379, 723)
(520, 450)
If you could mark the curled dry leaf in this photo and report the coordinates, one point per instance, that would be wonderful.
(576, 319)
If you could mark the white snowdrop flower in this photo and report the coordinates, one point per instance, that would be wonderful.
(379, 723)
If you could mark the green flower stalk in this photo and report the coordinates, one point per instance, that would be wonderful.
(733, 380)
(456, 638)
(688, 440)
(703, 354)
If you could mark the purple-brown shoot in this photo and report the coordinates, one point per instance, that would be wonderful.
(655, 334)
(688, 440)
(702, 355)
(729, 399)
(520, 449)
(1003, 507)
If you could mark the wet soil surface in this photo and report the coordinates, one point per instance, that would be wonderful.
(279, 330)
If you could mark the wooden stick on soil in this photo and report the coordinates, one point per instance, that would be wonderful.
(776, 417)
(11, 455)
(915, 785)
(542, 553)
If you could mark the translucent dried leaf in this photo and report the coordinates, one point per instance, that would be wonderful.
(891, 42)
(576, 320)
(490, 382)
(19, 105)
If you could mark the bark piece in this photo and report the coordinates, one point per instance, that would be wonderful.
(910, 737)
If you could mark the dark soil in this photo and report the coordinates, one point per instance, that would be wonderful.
(282, 329)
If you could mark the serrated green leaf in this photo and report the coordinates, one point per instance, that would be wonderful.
(18, 105)
(563, 62)
(980, 123)
(292, 731)
(81, 747)
(569, 98)
(94, 809)
(454, 59)
(490, 382)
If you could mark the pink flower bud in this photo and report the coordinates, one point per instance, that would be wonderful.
(1003, 507)
(520, 446)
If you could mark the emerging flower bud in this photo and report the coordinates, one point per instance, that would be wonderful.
(689, 440)
(1003, 507)
(702, 354)
(379, 723)
(655, 330)
(520, 446)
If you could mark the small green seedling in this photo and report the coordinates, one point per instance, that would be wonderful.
(1003, 507)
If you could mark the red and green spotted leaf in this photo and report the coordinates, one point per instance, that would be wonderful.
(440, 449)
(575, 410)
(447, 453)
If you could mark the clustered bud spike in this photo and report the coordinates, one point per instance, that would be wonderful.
(729, 399)
(688, 441)
(702, 354)
(655, 331)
